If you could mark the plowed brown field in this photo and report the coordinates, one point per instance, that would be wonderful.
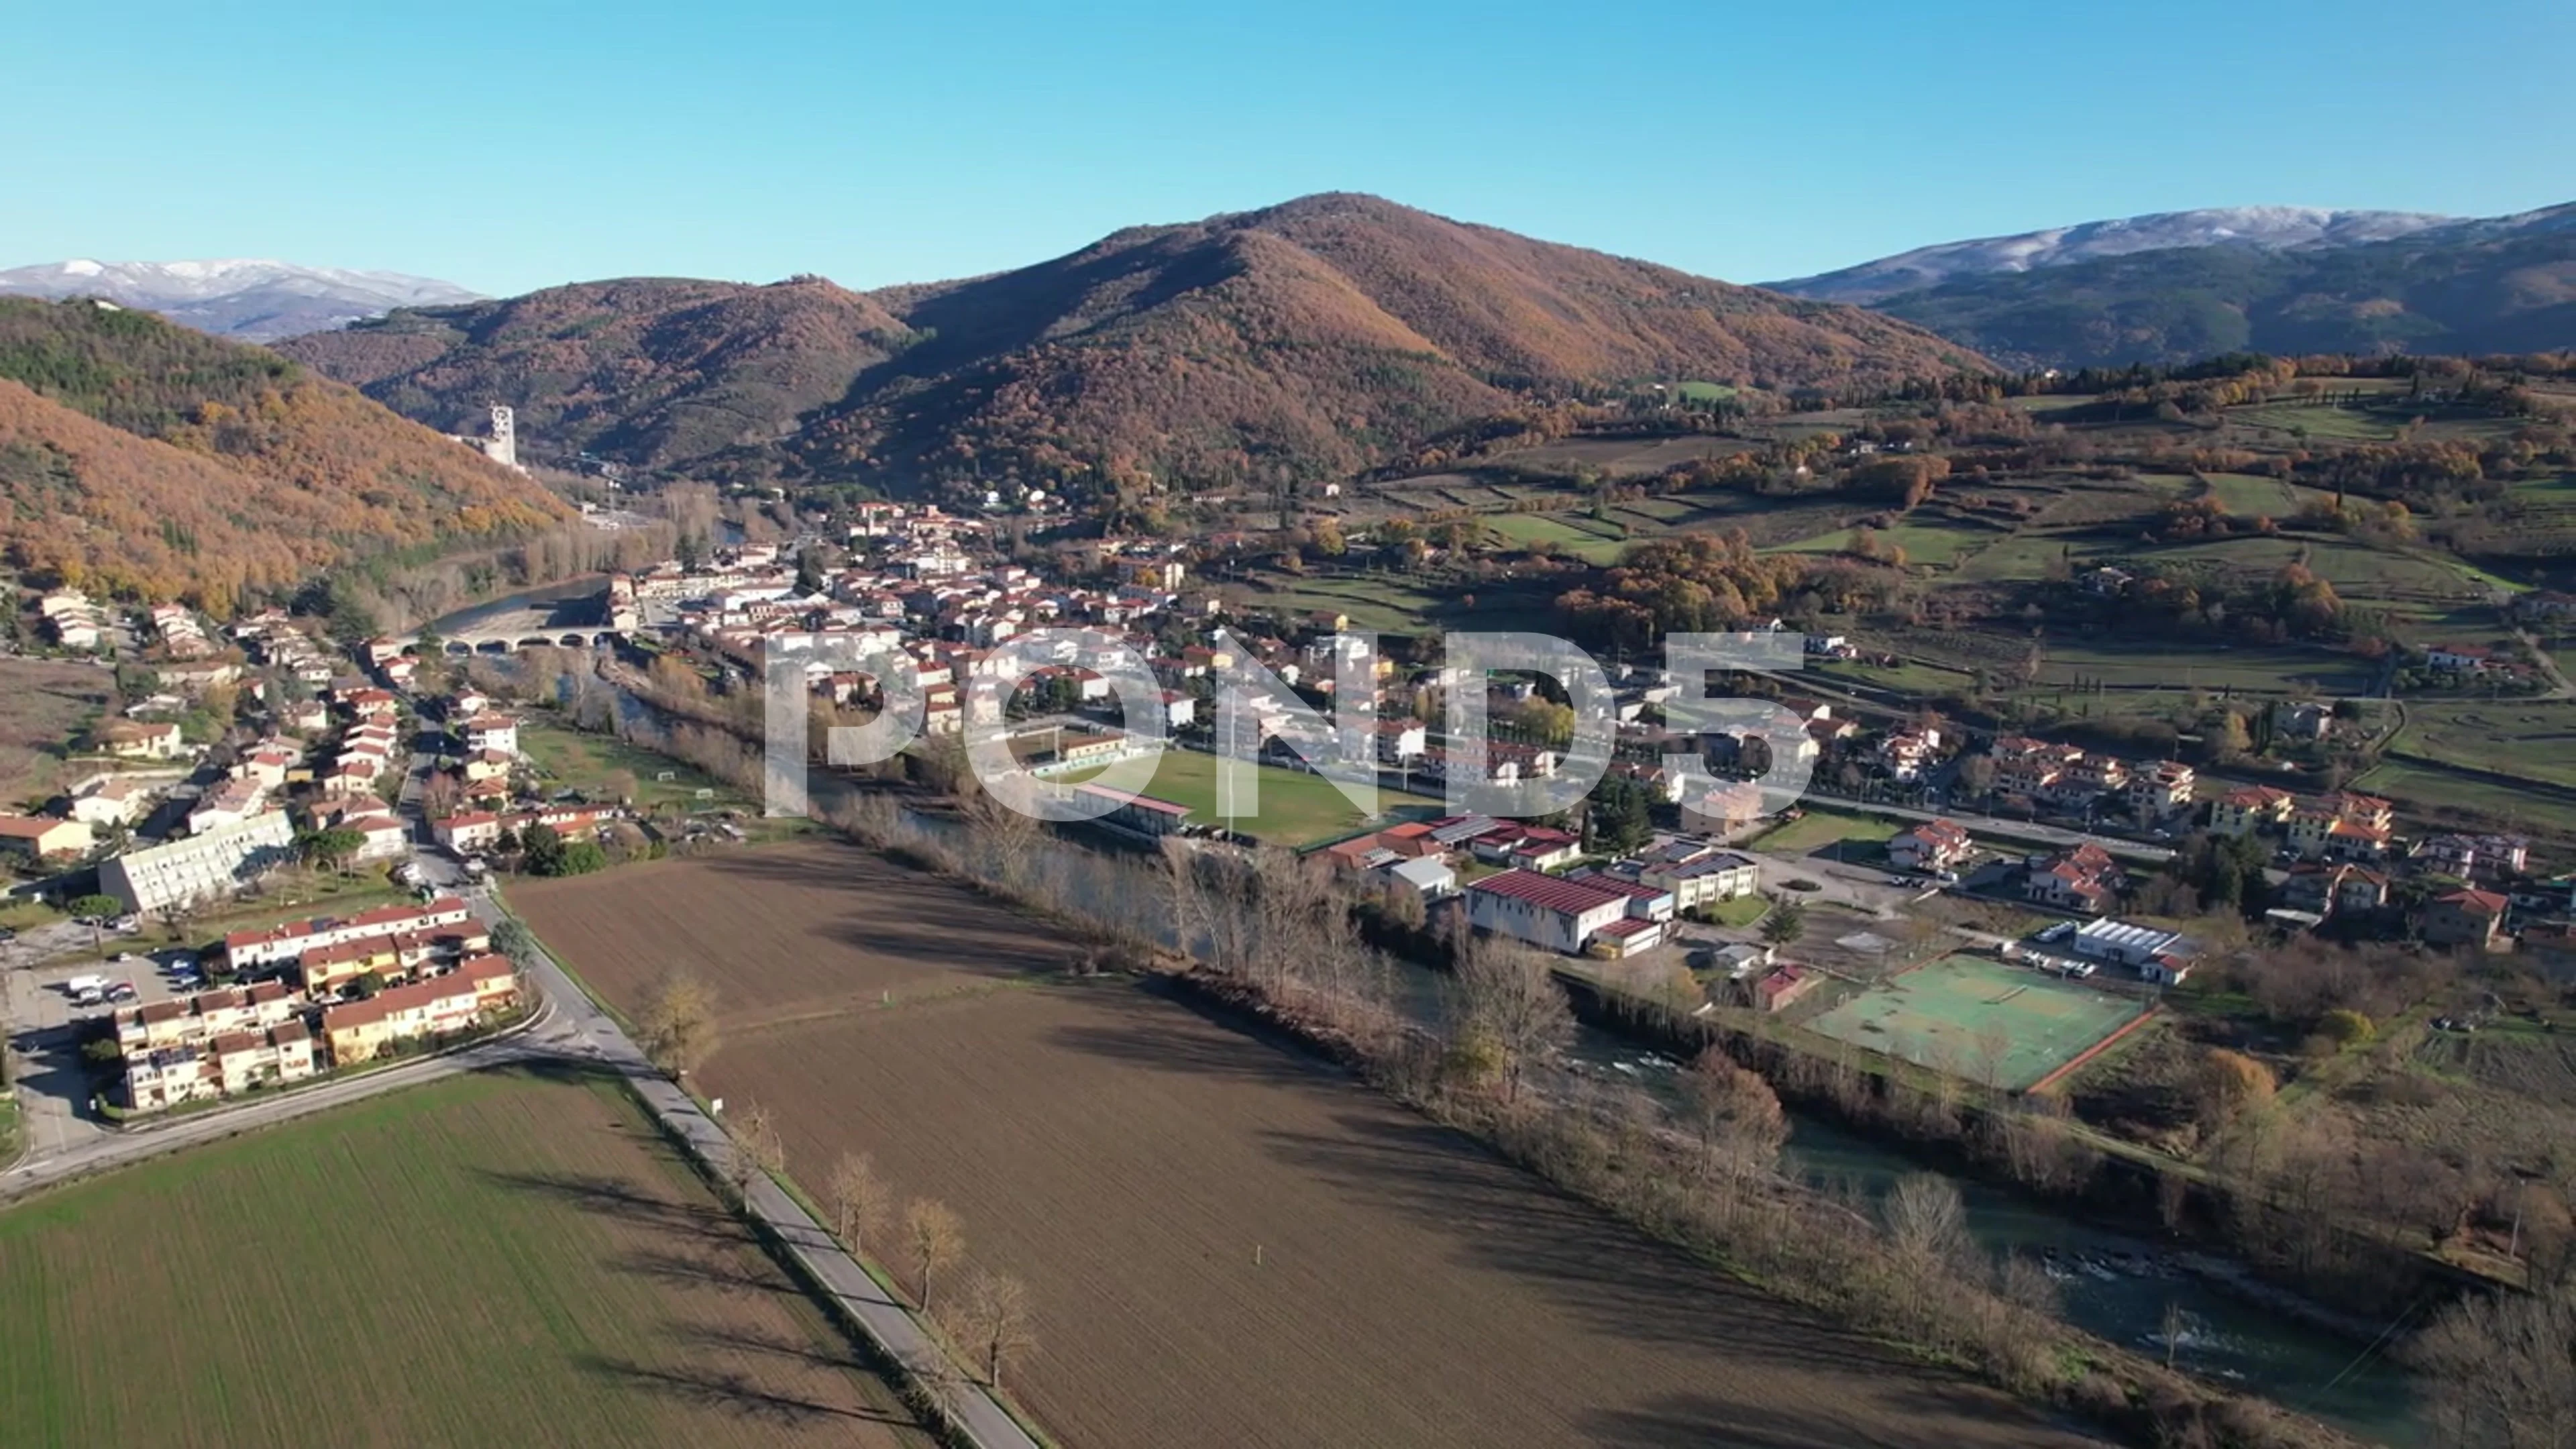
(1227, 1243)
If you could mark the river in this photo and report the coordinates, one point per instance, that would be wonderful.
(2115, 1286)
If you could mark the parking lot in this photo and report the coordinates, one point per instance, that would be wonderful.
(44, 1022)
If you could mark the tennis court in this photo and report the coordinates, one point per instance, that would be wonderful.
(1980, 1019)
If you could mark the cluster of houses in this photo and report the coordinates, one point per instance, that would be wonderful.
(313, 995)
(2067, 778)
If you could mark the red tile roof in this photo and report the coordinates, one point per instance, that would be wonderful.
(1547, 892)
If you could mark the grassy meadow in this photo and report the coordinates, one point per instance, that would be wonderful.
(488, 1259)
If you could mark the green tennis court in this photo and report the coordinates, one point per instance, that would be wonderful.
(1980, 1019)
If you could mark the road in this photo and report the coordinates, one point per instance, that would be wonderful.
(568, 1026)
(2056, 835)
(578, 1028)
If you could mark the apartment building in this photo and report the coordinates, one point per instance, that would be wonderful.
(200, 867)
(162, 1025)
(249, 951)
(436, 1007)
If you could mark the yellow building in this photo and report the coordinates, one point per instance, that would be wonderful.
(439, 1006)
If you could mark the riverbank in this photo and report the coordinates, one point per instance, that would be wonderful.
(2236, 1346)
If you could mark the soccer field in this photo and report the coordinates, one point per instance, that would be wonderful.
(1979, 1019)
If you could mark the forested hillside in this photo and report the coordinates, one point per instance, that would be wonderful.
(149, 460)
(1309, 339)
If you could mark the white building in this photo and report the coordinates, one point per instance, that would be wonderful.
(200, 867)
(1545, 910)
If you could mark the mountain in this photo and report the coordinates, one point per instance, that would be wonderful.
(657, 372)
(2491, 285)
(2262, 228)
(147, 459)
(255, 301)
(1310, 338)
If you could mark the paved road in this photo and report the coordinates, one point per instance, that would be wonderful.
(2056, 835)
(97, 1152)
(582, 1029)
(578, 1028)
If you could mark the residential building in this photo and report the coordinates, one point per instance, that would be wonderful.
(473, 830)
(2082, 879)
(491, 733)
(2161, 788)
(439, 1006)
(2037, 768)
(1724, 808)
(2459, 658)
(43, 837)
(2326, 889)
(1906, 753)
(326, 972)
(112, 800)
(2341, 827)
(1933, 846)
(200, 867)
(252, 951)
(229, 803)
(2250, 808)
(161, 1025)
(2473, 918)
(134, 739)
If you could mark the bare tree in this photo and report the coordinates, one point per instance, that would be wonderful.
(2500, 1370)
(757, 1149)
(938, 1386)
(1508, 999)
(676, 1025)
(938, 1239)
(1008, 839)
(996, 1321)
(1926, 1221)
(1736, 1115)
(861, 1201)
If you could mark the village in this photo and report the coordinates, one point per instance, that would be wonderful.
(1670, 873)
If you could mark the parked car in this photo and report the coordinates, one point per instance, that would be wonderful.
(122, 992)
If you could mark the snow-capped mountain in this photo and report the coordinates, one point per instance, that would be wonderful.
(256, 301)
(2265, 228)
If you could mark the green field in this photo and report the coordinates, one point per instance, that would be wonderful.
(1979, 1019)
(2532, 738)
(494, 1259)
(2338, 424)
(1823, 829)
(2444, 794)
(1932, 544)
(1297, 809)
(1567, 533)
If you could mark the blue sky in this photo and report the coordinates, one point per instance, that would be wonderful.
(507, 147)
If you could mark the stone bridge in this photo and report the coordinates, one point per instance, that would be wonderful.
(565, 624)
